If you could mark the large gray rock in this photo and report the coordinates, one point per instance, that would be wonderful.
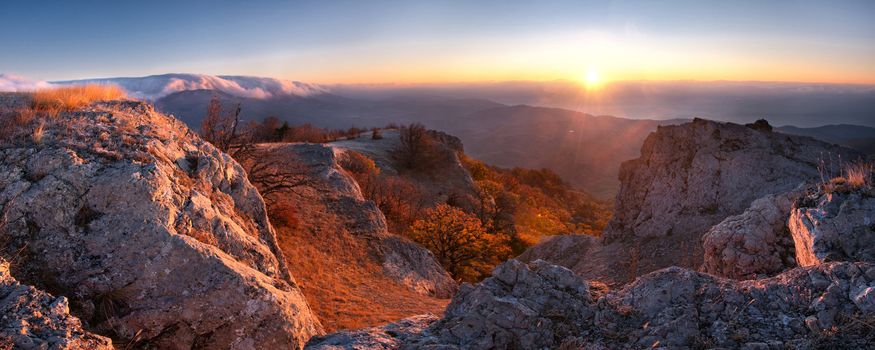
(692, 176)
(154, 234)
(521, 306)
(752, 244)
(390, 336)
(689, 178)
(835, 226)
(33, 319)
(541, 306)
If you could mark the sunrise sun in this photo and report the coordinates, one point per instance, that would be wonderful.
(592, 79)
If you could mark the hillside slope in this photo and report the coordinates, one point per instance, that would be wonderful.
(352, 270)
(861, 138)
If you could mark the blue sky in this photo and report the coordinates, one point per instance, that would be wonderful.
(419, 41)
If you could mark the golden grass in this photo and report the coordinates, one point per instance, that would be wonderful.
(67, 98)
(343, 284)
(859, 174)
(39, 132)
(31, 112)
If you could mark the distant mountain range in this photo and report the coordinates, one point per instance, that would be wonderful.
(585, 149)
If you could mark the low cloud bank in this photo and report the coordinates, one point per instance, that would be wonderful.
(157, 86)
(15, 83)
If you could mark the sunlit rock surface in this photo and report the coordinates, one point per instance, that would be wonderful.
(153, 234)
(835, 226)
(540, 306)
(689, 178)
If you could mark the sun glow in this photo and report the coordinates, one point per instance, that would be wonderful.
(592, 79)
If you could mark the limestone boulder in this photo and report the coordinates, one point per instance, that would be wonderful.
(834, 226)
(755, 243)
(154, 235)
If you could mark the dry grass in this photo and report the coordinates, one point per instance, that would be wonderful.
(859, 175)
(39, 131)
(67, 98)
(342, 282)
(29, 113)
(854, 176)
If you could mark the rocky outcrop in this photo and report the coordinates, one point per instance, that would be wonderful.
(753, 244)
(834, 226)
(544, 306)
(33, 319)
(689, 178)
(155, 235)
(445, 180)
(328, 184)
(521, 306)
(692, 176)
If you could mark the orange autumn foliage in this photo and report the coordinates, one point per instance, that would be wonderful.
(459, 242)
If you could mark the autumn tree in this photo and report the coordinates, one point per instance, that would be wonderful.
(459, 241)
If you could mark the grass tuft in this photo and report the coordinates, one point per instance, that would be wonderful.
(859, 175)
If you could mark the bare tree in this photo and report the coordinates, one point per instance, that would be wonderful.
(268, 169)
(274, 172)
(221, 130)
(416, 147)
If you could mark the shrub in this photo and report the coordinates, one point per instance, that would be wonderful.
(400, 199)
(358, 164)
(67, 98)
(376, 134)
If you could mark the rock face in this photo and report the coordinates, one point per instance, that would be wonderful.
(754, 243)
(836, 226)
(153, 234)
(340, 197)
(391, 336)
(692, 176)
(526, 307)
(689, 178)
(543, 306)
(33, 319)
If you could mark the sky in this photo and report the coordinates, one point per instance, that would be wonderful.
(413, 41)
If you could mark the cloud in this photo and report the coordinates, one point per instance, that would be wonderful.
(15, 83)
(157, 86)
